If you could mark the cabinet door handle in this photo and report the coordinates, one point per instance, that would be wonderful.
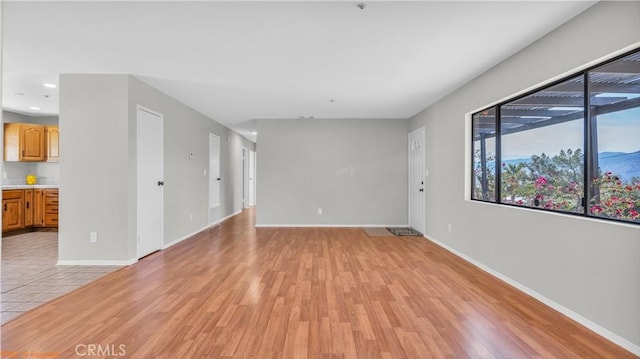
(5, 207)
(27, 205)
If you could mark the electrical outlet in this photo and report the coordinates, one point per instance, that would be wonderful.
(450, 228)
(205, 172)
(319, 210)
(93, 237)
(191, 216)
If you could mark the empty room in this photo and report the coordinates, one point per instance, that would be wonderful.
(320, 179)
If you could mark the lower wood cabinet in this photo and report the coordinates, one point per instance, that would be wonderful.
(12, 210)
(51, 208)
(28, 208)
(38, 207)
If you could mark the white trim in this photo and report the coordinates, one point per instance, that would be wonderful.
(626, 344)
(330, 225)
(187, 236)
(97, 262)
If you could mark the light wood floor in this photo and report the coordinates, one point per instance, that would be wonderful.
(237, 291)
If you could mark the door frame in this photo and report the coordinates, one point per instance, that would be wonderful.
(161, 239)
(422, 223)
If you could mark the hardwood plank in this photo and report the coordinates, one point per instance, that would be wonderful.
(234, 291)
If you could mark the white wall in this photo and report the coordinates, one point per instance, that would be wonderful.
(98, 166)
(355, 170)
(590, 267)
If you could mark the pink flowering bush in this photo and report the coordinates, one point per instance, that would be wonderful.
(556, 183)
(616, 199)
(545, 182)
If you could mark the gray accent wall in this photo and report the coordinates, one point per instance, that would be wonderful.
(98, 166)
(591, 267)
(354, 169)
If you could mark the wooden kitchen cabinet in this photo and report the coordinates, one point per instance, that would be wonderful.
(24, 142)
(51, 208)
(38, 207)
(12, 210)
(28, 207)
(33, 141)
(53, 143)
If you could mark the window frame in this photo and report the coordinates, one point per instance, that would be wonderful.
(587, 143)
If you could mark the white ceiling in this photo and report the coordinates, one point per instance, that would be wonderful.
(240, 61)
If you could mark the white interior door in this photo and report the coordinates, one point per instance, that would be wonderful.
(214, 178)
(245, 178)
(150, 180)
(416, 180)
(252, 178)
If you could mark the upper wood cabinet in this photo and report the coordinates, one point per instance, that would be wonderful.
(53, 143)
(31, 143)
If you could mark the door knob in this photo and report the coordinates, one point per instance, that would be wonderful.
(421, 190)
(218, 178)
(160, 183)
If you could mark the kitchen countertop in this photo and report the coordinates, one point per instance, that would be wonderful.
(26, 186)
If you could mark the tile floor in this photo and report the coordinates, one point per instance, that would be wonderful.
(30, 277)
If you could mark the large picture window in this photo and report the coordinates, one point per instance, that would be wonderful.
(572, 146)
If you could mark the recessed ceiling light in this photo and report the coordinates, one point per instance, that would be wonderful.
(254, 132)
(51, 86)
(34, 108)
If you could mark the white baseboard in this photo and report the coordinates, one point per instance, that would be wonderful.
(97, 262)
(187, 236)
(633, 348)
(331, 225)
